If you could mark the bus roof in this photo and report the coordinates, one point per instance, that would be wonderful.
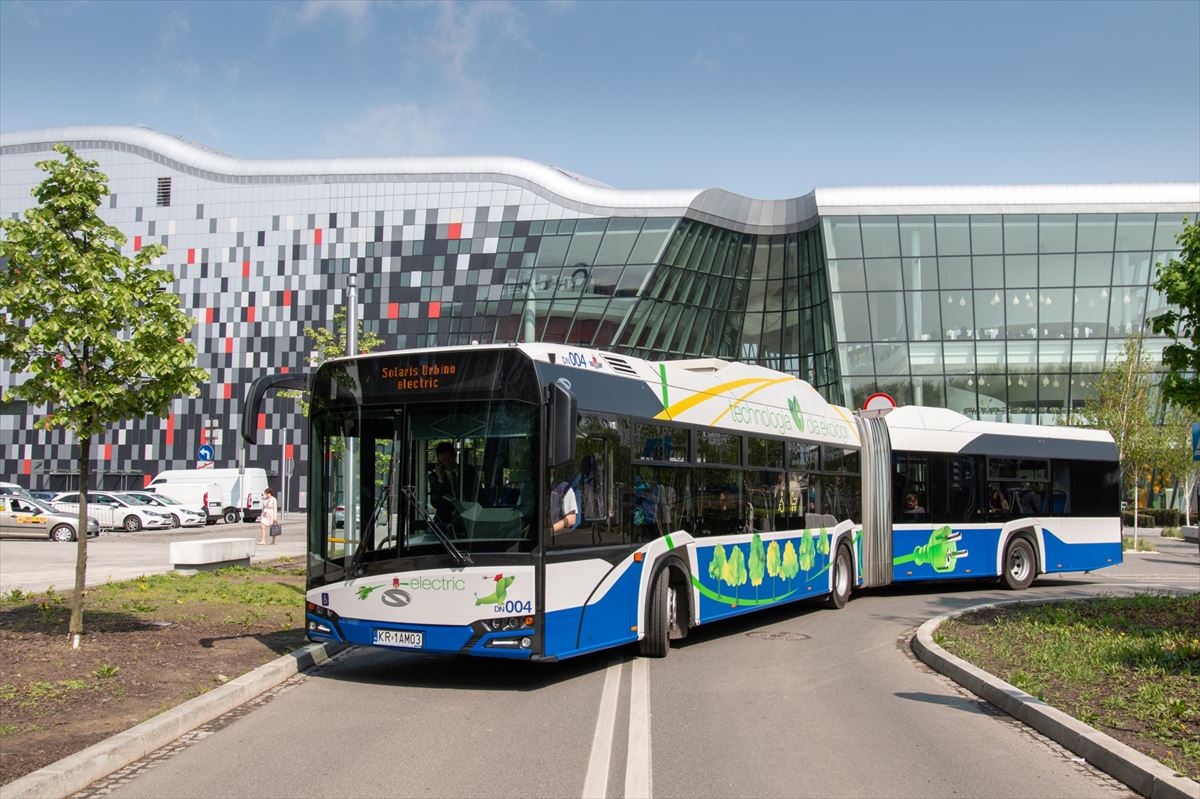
(921, 429)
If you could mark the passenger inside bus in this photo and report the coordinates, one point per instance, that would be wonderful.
(450, 483)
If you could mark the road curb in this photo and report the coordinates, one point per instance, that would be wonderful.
(75, 772)
(1140, 772)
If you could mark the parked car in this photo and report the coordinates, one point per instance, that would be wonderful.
(181, 515)
(24, 517)
(12, 490)
(45, 496)
(113, 512)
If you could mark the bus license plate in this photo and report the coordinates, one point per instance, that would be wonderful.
(405, 639)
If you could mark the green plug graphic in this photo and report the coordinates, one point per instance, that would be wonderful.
(940, 553)
(497, 596)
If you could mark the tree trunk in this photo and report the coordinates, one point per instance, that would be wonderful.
(76, 628)
(1135, 513)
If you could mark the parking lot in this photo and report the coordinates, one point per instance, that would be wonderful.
(30, 565)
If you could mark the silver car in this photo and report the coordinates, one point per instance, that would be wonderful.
(22, 517)
(181, 515)
(113, 512)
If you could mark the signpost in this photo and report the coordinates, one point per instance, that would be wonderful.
(205, 455)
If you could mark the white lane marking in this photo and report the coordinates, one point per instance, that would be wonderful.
(638, 778)
(595, 784)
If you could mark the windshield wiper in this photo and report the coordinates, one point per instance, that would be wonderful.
(460, 558)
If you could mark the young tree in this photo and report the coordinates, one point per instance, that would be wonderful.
(1122, 406)
(1175, 457)
(100, 337)
(1179, 282)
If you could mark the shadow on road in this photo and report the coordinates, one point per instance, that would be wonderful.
(956, 702)
(459, 672)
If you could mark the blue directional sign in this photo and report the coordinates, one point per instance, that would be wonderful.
(1196, 441)
(206, 452)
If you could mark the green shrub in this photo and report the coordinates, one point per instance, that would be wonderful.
(1172, 532)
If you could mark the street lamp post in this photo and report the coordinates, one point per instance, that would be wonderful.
(350, 492)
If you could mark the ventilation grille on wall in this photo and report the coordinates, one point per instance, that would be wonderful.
(620, 367)
(164, 191)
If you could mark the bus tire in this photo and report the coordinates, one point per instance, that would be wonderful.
(656, 641)
(842, 579)
(1020, 564)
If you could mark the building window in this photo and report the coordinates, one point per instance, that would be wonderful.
(164, 192)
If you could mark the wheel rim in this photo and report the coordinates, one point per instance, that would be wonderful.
(62, 534)
(132, 523)
(1018, 564)
(670, 608)
(842, 576)
(174, 520)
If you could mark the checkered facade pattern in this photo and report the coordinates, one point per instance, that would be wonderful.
(454, 251)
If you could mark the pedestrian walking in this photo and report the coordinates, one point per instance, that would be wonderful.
(268, 523)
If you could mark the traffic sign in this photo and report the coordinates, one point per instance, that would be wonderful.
(878, 402)
(205, 453)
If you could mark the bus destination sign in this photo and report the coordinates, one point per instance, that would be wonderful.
(420, 377)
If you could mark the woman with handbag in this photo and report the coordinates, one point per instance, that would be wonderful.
(268, 522)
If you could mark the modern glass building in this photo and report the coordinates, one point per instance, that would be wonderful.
(1001, 302)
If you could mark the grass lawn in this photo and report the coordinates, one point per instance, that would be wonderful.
(149, 644)
(1127, 666)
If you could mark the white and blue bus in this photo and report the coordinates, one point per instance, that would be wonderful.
(544, 501)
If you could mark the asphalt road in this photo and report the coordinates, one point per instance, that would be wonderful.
(798, 701)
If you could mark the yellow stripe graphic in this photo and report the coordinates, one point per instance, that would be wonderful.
(850, 423)
(742, 398)
(701, 396)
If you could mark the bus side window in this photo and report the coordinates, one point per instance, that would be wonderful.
(1060, 491)
(593, 482)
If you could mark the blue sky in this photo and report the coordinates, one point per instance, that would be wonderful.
(768, 100)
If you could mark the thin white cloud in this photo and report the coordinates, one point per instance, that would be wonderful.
(706, 62)
(354, 14)
(398, 129)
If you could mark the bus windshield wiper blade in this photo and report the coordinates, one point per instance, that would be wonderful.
(460, 558)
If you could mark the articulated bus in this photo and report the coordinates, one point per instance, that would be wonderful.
(544, 501)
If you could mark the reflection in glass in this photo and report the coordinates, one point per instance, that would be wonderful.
(1091, 312)
(920, 273)
(891, 359)
(953, 235)
(989, 314)
(988, 271)
(925, 359)
(880, 237)
(1056, 233)
(850, 317)
(1135, 232)
(887, 316)
(924, 315)
(957, 316)
(1021, 311)
(959, 357)
(1127, 311)
(1131, 268)
(883, 274)
(1056, 270)
(1096, 232)
(986, 235)
(954, 273)
(841, 236)
(1020, 233)
(916, 236)
(846, 276)
(1054, 316)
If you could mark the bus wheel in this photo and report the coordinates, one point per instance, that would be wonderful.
(1019, 564)
(656, 641)
(843, 571)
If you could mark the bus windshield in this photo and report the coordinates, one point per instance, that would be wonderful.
(409, 477)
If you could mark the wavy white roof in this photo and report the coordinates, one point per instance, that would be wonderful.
(715, 205)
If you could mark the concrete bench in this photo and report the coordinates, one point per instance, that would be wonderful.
(1191, 533)
(189, 557)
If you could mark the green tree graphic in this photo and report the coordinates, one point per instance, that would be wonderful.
(823, 541)
(808, 552)
(758, 562)
(734, 573)
(716, 566)
(773, 565)
(791, 566)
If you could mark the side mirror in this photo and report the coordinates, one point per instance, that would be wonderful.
(562, 425)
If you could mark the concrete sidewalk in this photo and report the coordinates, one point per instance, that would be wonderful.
(34, 566)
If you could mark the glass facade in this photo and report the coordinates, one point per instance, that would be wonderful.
(1002, 317)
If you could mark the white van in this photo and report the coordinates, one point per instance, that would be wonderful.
(221, 493)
